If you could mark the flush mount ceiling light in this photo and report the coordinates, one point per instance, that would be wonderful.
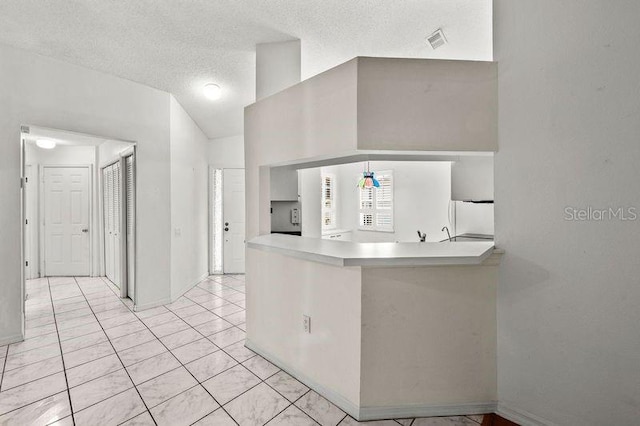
(212, 91)
(46, 143)
(437, 39)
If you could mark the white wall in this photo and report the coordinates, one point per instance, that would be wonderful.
(277, 67)
(44, 92)
(310, 202)
(329, 356)
(189, 189)
(68, 156)
(472, 218)
(429, 336)
(109, 151)
(569, 292)
(227, 153)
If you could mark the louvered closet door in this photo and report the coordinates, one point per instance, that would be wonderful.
(112, 219)
(130, 208)
(107, 211)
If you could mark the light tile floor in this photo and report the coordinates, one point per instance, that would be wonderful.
(89, 360)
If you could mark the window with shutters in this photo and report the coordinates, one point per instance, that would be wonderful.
(376, 205)
(328, 201)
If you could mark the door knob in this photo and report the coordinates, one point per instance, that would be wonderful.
(226, 224)
(226, 228)
(85, 230)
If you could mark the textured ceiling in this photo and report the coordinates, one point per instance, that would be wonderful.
(178, 45)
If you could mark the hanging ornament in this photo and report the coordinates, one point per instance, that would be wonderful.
(368, 179)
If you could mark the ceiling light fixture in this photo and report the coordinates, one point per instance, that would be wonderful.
(46, 143)
(212, 91)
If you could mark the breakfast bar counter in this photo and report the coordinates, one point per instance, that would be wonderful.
(347, 253)
(383, 330)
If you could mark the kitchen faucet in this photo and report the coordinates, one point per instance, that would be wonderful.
(448, 234)
(422, 236)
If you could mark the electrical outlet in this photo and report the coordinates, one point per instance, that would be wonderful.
(306, 324)
(295, 216)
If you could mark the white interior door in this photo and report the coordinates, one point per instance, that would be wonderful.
(234, 218)
(117, 221)
(131, 217)
(66, 221)
(107, 212)
(112, 219)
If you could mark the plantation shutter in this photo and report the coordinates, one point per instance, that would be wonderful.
(376, 204)
(328, 202)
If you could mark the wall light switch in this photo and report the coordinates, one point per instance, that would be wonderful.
(306, 324)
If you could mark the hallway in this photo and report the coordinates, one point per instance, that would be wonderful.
(88, 354)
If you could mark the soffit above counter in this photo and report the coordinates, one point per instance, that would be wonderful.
(379, 104)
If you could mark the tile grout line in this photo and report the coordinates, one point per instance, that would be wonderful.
(123, 367)
(220, 348)
(291, 404)
(238, 363)
(187, 370)
(4, 365)
(241, 363)
(255, 354)
(223, 349)
(64, 369)
(265, 380)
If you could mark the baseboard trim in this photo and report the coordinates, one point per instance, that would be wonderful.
(378, 413)
(146, 306)
(336, 398)
(418, 410)
(521, 417)
(11, 339)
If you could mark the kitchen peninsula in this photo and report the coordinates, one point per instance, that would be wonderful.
(340, 253)
(383, 330)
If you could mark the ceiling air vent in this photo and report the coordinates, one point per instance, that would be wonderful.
(437, 39)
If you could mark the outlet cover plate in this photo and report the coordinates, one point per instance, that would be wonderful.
(306, 324)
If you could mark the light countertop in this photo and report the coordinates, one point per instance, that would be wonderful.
(344, 253)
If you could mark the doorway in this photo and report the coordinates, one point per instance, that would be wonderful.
(118, 212)
(227, 221)
(63, 207)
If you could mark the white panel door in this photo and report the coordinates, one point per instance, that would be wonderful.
(234, 217)
(66, 221)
